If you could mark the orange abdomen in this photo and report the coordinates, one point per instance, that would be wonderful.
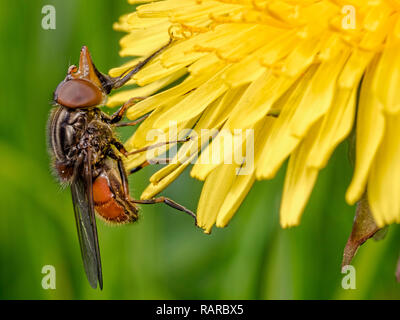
(105, 202)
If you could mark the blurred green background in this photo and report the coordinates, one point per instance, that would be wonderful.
(163, 256)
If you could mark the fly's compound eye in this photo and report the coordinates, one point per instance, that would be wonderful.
(78, 93)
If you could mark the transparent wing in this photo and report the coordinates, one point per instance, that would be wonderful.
(82, 198)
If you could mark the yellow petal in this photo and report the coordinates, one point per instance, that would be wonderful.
(122, 24)
(155, 71)
(336, 126)
(219, 151)
(166, 97)
(213, 194)
(303, 55)
(258, 99)
(369, 133)
(137, 22)
(299, 182)
(384, 179)
(143, 42)
(121, 97)
(243, 182)
(234, 198)
(195, 102)
(280, 142)
(198, 46)
(144, 134)
(116, 72)
(165, 176)
(147, 134)
(354, 68)
(213, 117)
(318, 96)
(387, 79)
(205, 64)
(222, 144)
(154, 188)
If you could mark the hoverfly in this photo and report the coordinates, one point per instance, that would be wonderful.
(82, 146)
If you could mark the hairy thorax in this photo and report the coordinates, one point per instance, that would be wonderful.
(73, 133)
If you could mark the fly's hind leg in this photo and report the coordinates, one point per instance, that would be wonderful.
(122, 173)
(125, 184)
(168, 202)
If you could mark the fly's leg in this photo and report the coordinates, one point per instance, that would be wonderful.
(119, 114)
(146, 163)
(122, 173)
(132, 123)
(125, 185)
(124, 178)
(140, 167)
(165, 200)
(157, 145)
(118, 82)
(168, 202)
(120, 147)
(160, 161)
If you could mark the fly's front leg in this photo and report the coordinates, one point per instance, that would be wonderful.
(132, 123)
(119, 114)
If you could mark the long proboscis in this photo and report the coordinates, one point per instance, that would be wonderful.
(118, 82)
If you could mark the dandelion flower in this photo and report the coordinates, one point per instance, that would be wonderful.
(301, 74)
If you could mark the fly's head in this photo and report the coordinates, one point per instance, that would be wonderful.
(84, 87)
